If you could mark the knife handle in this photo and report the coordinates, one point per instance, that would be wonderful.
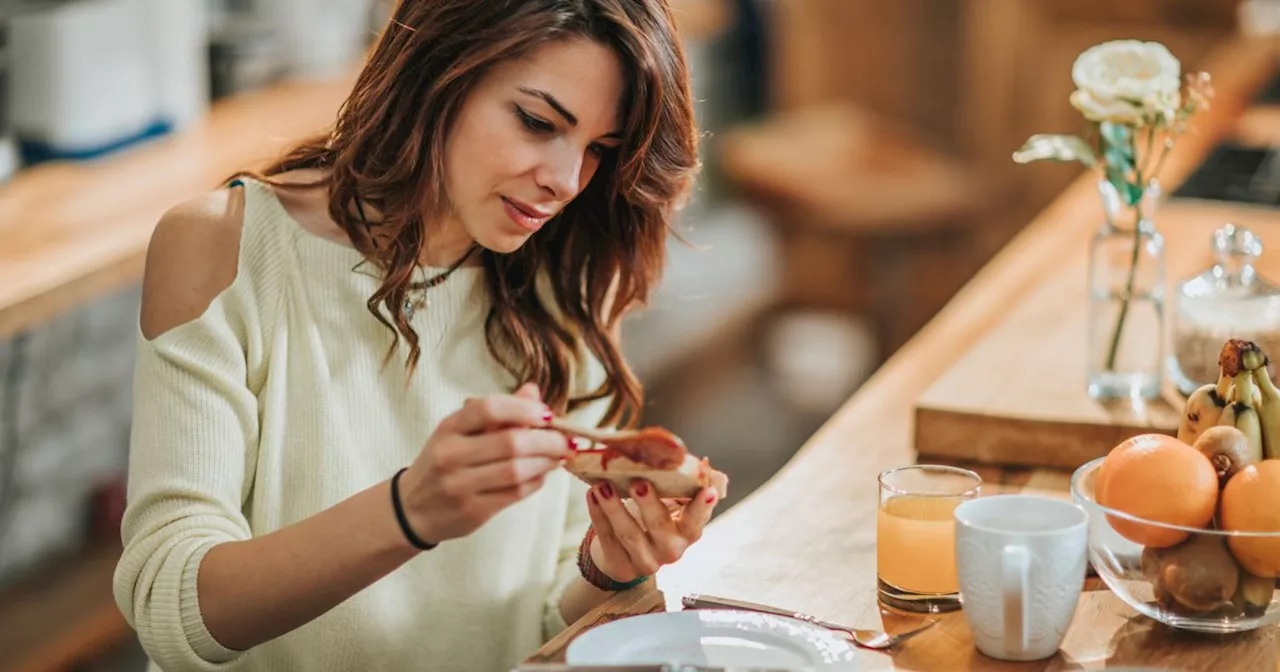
(699, 601)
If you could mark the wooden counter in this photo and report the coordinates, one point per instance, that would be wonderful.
(74, 232)
(806, 539)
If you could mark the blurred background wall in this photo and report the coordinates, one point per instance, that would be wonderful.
(858, 172)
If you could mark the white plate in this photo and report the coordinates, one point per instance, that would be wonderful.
(714, 637)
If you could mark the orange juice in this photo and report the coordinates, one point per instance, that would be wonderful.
(915, 543)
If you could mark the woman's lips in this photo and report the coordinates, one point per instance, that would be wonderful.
(523, 215)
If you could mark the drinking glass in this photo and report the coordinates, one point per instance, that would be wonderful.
(915, 536)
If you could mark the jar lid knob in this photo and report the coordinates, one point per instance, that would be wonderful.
(1232, 240)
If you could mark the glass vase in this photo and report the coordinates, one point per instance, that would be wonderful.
(1126, 300)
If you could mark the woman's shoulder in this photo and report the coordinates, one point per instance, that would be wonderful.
(191, 258)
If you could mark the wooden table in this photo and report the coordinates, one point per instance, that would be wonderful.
(806, 539)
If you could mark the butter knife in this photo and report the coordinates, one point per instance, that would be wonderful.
(698, 601)
(566, 667)
(870, 639)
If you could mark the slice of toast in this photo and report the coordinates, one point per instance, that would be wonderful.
(682, 482)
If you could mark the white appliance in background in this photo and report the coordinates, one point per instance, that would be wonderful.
(89, 77)
(8, 151)
(180, 30)
(8, 158)
(320, 38)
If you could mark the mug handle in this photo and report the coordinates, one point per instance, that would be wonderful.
(1015, 566)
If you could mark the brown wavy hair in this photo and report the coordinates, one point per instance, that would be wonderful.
(603, 253)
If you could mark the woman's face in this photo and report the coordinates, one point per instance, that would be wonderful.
(529, 138)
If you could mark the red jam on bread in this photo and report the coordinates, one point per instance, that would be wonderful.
(653, 447)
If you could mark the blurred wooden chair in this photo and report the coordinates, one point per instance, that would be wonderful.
(871, 221)
(886, 159)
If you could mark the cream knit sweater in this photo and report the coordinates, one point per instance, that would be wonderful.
(272, 406)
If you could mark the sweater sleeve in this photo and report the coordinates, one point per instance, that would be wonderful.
(577, 519)
(576, 522)
(193, 449)
(195, 423)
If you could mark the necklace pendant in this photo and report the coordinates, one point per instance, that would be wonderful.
(410, 306)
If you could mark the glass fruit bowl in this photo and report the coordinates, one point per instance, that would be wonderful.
(1196, 584)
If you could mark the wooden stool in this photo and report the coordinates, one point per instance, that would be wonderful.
(870, 220)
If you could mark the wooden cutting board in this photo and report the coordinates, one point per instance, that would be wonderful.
(1017, 397)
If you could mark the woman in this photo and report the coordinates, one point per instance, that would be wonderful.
(346, 366)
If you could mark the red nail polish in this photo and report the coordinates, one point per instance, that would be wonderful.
(606, 490)
(642, 489)
(547, 416)
(573, 447)
(711, 498)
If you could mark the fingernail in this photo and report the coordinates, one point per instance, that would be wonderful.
(592, 495)
(711, 498)
(606, 490)
(570, 445)
(642, 489)
(547, 415)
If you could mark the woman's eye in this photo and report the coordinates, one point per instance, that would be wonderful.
(533, 123)
(601, 151)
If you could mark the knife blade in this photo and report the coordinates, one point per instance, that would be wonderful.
(700, 601)
(567, 667)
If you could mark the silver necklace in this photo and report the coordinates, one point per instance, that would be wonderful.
(411, 305)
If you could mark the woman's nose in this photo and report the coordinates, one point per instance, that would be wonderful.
(561, 175)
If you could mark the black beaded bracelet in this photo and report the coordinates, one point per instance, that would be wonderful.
(409, 534)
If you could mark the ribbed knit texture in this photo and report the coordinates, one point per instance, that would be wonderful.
(274, 405)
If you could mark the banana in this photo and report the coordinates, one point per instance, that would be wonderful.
(1204, 408)
(1269, 407)
(1242, 414)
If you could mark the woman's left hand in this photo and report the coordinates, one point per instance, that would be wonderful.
(628, 546)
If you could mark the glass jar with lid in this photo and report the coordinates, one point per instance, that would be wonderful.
(1228, 300)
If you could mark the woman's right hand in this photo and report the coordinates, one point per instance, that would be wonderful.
(490, 454)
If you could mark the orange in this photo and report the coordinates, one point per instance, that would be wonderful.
(1248, 505)
(1158, 478)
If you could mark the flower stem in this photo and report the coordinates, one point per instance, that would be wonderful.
(1151, 142)
(1164, 152)
(1128, 289)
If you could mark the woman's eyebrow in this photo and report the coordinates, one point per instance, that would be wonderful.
(555, 104)
(561, 109)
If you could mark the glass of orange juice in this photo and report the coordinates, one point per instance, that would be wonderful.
(915, 536)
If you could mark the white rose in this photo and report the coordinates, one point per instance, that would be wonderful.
(1127, 82)
(1093, 109)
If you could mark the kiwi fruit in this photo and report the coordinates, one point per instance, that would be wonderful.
(1227, 449)
(1200, 574)
(1150, 564)
(1163, 599)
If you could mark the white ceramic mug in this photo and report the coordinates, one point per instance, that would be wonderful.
(1021, 563)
